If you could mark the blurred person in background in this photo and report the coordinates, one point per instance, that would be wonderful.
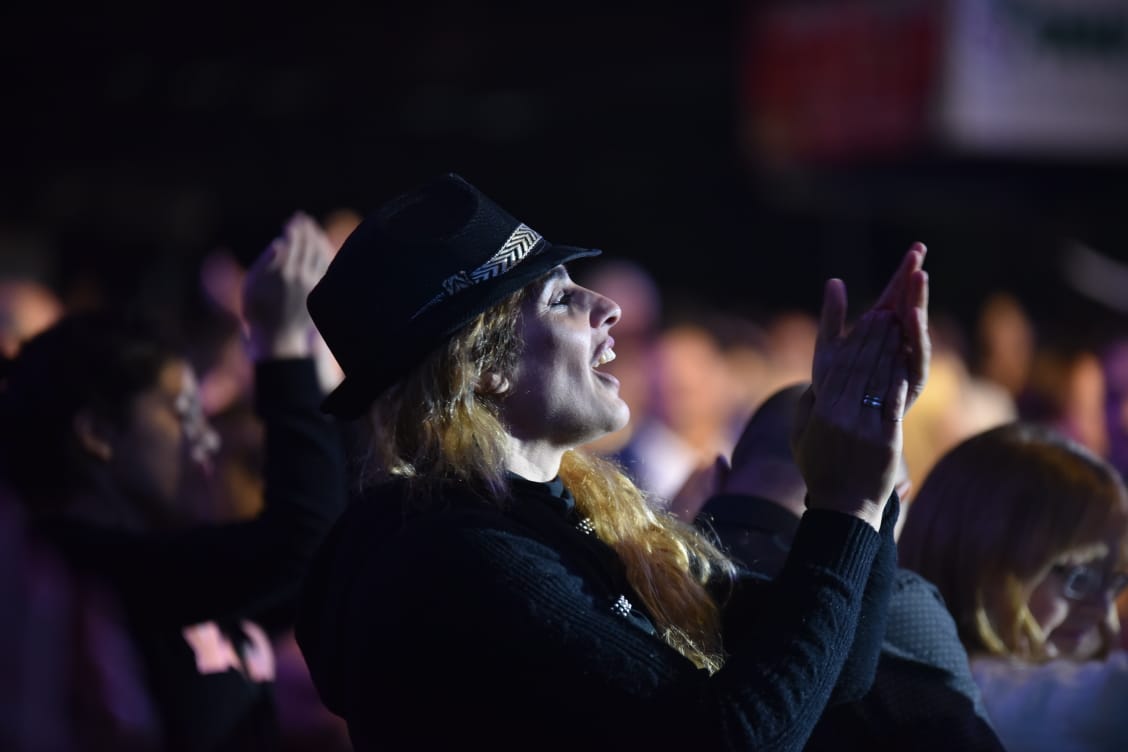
(1114, 367)
(923, 697)
(955, 404)
(744, 344)
(26, 309)
(790, 340)
(691, 420)
(1004, 337)
(1066, 391)
(101, 426)
(70, 678)
(1024, 531)
(234, 491)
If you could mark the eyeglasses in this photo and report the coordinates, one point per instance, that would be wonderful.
(1081, 581)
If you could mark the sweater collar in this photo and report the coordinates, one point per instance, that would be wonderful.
(553, 492)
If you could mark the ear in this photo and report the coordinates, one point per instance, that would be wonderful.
(493, 383)
(93, 436)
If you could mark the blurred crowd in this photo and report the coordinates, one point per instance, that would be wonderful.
(74, 676)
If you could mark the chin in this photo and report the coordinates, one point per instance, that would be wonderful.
(615, 420)
(621, 417)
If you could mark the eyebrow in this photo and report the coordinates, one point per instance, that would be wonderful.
(557, 273)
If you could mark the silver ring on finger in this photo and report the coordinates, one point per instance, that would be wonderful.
(870, 400)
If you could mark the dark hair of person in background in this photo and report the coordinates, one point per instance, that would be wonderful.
(100, 428)
(88, 367)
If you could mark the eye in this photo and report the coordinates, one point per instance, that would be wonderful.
(562, 298)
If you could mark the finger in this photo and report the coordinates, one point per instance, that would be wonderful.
(911, 291)
(303, 242)
(318, 258)
(833, 316)
(892, 297)
(888, 369)
(896, 401)
(919, 350)
(315, 249)
(849, 372)
(893, 294)
(292, 257)
(917, 371)
(864, 377)
(832, 321)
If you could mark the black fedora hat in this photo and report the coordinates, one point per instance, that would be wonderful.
(413, 273)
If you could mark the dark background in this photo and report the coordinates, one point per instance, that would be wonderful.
(134, 144)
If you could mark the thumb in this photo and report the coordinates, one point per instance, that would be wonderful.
(832, 318)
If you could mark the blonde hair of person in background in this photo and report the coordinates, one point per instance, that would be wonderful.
(954, 406)
(997, 525)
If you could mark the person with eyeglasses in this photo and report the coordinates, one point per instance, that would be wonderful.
(1025, 533)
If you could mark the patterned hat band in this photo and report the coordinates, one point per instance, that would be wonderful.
(522, 243)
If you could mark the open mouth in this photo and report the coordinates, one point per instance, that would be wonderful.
(605, 354)
(603, 357)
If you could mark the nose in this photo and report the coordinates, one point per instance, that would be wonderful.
(604, 311)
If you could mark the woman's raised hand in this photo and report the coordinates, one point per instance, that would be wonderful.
(848, 439)
(275, 290)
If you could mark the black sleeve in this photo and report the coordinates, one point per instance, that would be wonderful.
(925, 659)
(924, 697)
(462, 605)
(213, 571)
(861, 666)
(858, 671)
(795, 600)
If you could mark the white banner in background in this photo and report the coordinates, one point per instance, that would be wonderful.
(1036, 77)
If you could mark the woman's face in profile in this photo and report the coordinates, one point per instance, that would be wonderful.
(557, 392)
(166, 432)
(1073, 600)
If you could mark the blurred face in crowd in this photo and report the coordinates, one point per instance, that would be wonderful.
(26, 309)
(164, 436)
(558, 392)
(1074, 600)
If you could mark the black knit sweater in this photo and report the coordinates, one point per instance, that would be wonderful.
(469, 626)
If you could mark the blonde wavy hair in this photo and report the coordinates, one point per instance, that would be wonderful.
(436, 425)
(995, 514)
